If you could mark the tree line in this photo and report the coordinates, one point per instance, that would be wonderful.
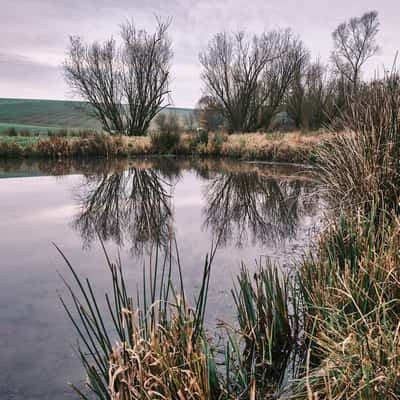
(248, 79)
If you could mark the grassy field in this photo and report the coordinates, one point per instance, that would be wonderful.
(33, 115)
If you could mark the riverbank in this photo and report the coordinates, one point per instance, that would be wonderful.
(294, 147)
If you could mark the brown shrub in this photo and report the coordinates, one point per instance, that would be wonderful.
(100, 145)
(55, 147)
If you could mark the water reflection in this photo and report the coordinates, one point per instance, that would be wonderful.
(126, 206)
(134, 204)
(255, 206)
(130, 201)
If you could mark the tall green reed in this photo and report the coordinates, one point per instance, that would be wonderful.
(159, 336)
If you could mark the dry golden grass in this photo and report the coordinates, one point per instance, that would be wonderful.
(351, 292)
(160, 366)
(291, 147)
(294, 147)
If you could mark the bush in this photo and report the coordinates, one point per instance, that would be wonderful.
(55, 147)
(167, 136)
(100, 145)
(198, 138)
(11, 132)
(167, 121)
(215, 142)
(164, 142)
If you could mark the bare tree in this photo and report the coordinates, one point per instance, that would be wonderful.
(280, 75)
(167, 122)
(354, 44)
(311, 101)
(208, 114)
(246, 77)
(125, 85)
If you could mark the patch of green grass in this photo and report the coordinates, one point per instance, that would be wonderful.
(21, 140)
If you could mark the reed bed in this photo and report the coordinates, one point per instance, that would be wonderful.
(351, 286)
(268, 331)
(163, 350)
(351, 294)
(361, 164)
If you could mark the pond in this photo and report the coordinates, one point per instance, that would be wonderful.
(253, 211)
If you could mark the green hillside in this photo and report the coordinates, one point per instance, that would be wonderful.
(41, 115)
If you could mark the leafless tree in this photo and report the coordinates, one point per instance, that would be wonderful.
(208, 114)
(246, 77)
(166, 122)
(311, 101)
(280, 74)
(354, 44)
(126, 85)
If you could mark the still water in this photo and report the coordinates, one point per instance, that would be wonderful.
(256, 211)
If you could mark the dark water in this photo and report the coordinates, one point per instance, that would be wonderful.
(257, 210)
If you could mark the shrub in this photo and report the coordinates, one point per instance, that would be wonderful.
(164, 142)
(167, 121)
(11, 132)
(167, 136)
(216, 141)
(55, 147)
(62, 133)
(200, 137)
(100, 145)
(24, 132)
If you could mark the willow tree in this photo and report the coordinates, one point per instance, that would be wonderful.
(354, 44)
(247, 77)
(126, 84)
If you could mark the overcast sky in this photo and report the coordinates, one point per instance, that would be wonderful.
(34, 34)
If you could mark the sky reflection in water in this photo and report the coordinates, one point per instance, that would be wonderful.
(256, 210)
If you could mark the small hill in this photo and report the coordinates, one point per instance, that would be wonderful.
(42, 115)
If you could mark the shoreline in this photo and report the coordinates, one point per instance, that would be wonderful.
(294, 147)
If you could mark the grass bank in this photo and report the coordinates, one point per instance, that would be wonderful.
(292, 147)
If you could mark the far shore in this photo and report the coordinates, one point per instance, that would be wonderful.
(291, 147)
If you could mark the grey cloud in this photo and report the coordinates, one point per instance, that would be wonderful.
(38, 30)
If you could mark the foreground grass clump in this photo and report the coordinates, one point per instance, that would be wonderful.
(268, 322)
(351, 286)
(351, 292)
(162, 347)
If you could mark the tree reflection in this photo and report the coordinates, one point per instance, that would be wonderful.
(133, 205)
(255, 206)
